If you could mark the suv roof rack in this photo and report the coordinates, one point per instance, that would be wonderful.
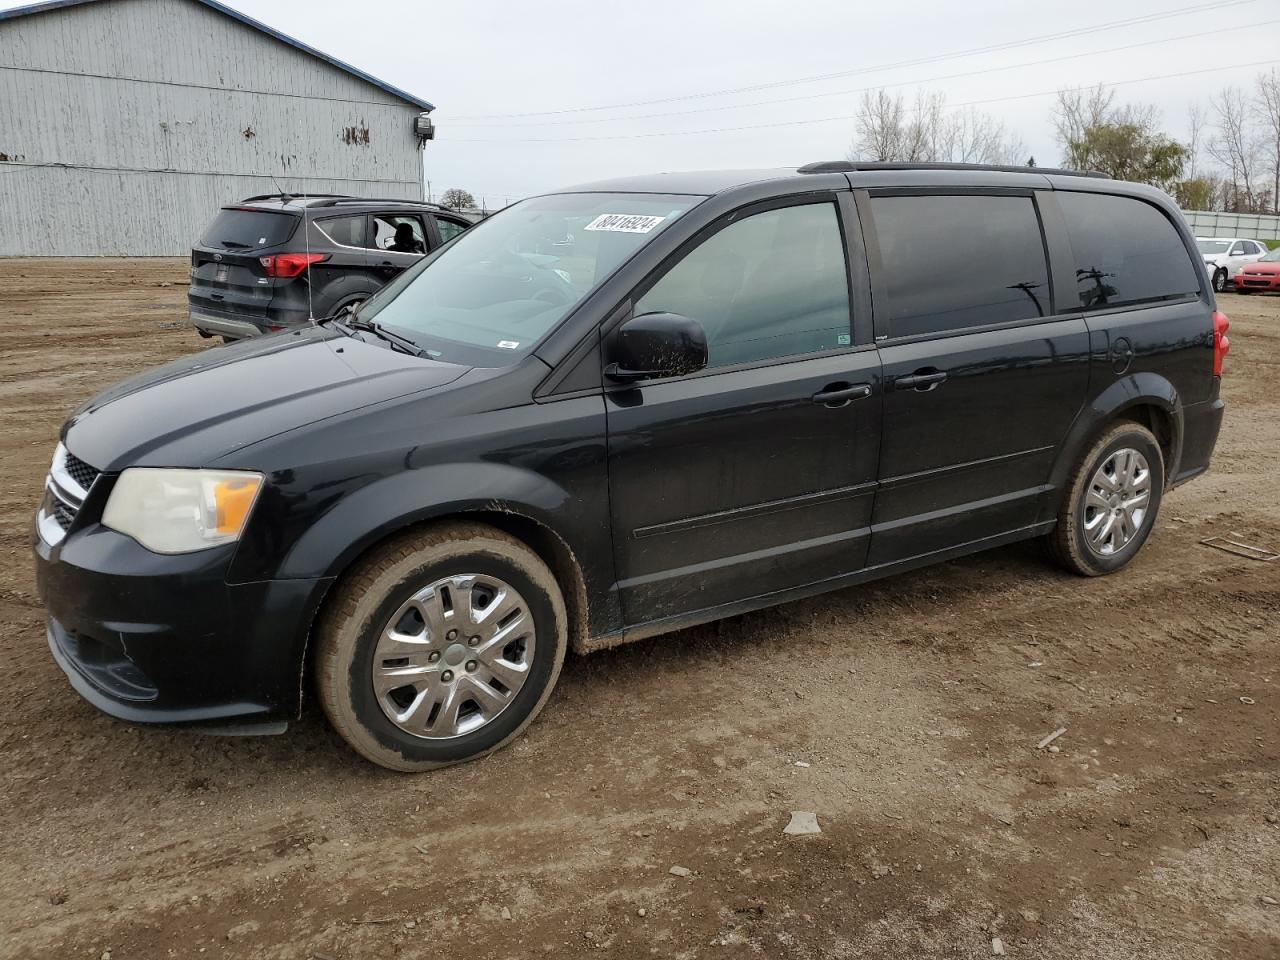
(290, 196)
(856, 166)
(338, 199)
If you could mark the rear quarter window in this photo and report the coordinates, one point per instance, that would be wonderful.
(348, 231)
(1126, 251)
(239, 229)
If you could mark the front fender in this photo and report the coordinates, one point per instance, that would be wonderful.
(1135, 390)
(370, 514)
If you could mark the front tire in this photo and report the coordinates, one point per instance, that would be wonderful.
(1219, 280)
(1111, 502)
(439, 647)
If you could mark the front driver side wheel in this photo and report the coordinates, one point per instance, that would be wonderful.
(1219, 280)
(440, 646)
(1111, 502)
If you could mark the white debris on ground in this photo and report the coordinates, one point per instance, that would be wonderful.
(802, 822)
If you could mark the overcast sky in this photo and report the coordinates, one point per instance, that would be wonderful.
(475, 59)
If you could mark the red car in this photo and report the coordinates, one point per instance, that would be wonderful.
(1263, 274)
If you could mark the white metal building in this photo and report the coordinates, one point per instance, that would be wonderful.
(1251, 226)
(125, 124)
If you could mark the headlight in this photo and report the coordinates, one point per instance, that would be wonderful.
(180, 511)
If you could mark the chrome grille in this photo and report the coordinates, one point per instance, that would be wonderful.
(63, 514)
(80, 471)
(66, 487)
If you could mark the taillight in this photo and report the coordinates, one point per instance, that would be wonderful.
(1220, 342)
(289, 264)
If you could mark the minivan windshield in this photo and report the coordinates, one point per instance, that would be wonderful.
(1213, 246)
(487, 298)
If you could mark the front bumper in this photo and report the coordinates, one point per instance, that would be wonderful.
(1261, 282)
(165, 639)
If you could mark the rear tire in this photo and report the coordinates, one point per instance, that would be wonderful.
(1111, 502)
(470, 619)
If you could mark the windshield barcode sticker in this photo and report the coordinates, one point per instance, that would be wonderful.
(623, 223)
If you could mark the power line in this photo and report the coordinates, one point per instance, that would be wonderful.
(846, 117)
(992, 48)
(897, 83)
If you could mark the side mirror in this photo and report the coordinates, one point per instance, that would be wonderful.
(658, 345)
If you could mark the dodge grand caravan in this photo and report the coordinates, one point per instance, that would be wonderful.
(726, 391)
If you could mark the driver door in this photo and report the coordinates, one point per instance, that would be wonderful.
(757, 474)
(383, 231)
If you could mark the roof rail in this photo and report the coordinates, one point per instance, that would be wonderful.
(337, 199)
(860, 166)
(290, 196)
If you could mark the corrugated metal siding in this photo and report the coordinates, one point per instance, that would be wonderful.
(128, 122)
(1251, 226)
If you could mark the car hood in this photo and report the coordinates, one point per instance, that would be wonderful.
(1270, 267)
(190, 412)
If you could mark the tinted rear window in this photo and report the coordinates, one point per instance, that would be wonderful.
(248, 229)
(947, 263)
(348, 231)
(1126, 251)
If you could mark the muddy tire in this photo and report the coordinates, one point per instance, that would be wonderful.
(1111, 502)
(439, 647)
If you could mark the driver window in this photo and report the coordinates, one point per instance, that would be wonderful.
(771, 285)
(398, 234)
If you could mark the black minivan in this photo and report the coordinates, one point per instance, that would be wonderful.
(619, 410)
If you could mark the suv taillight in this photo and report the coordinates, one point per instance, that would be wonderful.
(1220, 342)
(289, 264)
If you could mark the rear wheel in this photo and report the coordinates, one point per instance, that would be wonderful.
(1111, 502)
(440, 647)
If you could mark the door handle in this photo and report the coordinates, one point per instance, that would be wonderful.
(837, 395)
(921, 380)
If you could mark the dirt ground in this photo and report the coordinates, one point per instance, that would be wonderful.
(905, 714)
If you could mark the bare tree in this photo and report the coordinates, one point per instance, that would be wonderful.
(1234, 146)
(1077, 110)
(1196, 122)
(1269, 104)
(887, 129)
(878, 129)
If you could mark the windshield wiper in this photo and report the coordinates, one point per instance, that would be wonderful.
(378, 330)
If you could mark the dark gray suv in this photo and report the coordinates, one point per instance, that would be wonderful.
(256, 270)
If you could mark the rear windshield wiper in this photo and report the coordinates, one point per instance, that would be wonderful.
(236, 244)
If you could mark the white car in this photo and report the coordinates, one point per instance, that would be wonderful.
(1224, 256)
